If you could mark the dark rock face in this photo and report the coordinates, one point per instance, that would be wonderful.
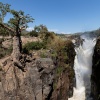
(46, 69)
(95, 78)
(34, 84)
(61, 91)
(64, 83)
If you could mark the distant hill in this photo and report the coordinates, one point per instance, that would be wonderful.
(93, 33)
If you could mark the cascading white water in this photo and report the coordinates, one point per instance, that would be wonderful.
(83, 69)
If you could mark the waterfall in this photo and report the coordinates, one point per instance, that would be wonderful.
(83, 69)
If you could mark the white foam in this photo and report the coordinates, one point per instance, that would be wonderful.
(83, 69)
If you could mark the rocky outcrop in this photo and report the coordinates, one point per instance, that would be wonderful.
(64, 81)
(34, 84)
(95, 78)
(39, 80)
(63, 86)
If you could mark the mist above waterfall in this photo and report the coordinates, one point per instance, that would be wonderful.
(83, 69)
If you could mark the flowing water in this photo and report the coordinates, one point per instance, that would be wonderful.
(83, 69)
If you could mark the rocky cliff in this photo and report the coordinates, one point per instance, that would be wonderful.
(38, 81)
(95, 78)
(33, 84)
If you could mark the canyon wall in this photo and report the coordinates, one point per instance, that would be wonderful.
(95, 78)
(38, 81)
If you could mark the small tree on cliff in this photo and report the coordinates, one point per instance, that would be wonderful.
(16, 25)
(42, 30)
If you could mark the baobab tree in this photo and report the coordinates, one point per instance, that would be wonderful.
(15, 26)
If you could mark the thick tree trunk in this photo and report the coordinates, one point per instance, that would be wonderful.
(17, 47)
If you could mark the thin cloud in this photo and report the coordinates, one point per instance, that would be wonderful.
(63, 32)
(66, 32)
(57, 31)
(29, 28)
(54, 30)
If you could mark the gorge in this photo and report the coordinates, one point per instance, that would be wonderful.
(49, 50)
(83, 69)
(43, 80)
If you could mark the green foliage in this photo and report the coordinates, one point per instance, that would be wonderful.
(59, 70)
(4, 8)
(19, 20)
(54, 54)
(33, 33)
(4, 52)
(4, 32)
(62, 53)
(41, 28)
(17, 23)
(43, 55)
(33, 46)
(47, 37)
(44, 34)
(59, 50)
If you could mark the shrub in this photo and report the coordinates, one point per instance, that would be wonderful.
(33, 46)
(43, 55)
(33, 33)
(4, 32)
(62, 53)
(5, 52)
(63, 50)
(47, 37)
(59, 70)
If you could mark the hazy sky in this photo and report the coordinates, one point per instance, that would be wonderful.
(66, 16)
